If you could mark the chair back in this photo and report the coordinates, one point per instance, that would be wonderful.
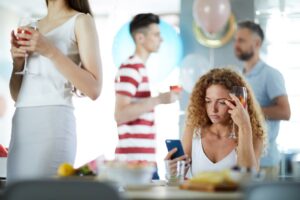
(273, 191)
(57, 189)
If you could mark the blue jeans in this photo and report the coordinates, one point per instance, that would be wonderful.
(155, 175)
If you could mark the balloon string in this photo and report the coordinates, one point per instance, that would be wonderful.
(211, 58)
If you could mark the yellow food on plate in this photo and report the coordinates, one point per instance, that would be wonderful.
(211, 181)
(212, 177)
(65, 169)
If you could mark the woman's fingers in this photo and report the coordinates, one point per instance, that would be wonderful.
(234, 98)
(24, 43)
(29, 46)
(18, 52)
(230, 112)
(170, 153)
(188, 160)
(27, 38)
(23, 36)
(234, 102)
(13, 39)
(230, 104)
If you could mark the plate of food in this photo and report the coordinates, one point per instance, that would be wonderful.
(212, 181)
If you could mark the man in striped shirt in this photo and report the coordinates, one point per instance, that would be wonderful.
(134, 109)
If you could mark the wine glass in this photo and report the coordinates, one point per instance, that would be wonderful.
(29, 23)
(175, 88)
(241, 93)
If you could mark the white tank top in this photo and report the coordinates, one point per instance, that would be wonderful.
(48, 86)
(201, 163)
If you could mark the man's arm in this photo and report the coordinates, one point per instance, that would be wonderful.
(127, 110)
(280, 110)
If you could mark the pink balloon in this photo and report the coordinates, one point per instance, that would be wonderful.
(211, 15)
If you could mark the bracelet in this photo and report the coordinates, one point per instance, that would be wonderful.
(14, 71)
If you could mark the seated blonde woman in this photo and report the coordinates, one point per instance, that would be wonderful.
(211, 114)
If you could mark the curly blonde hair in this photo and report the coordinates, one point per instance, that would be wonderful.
(196, 111)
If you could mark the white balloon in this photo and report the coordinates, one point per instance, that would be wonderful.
(192, 67)
(211, 15)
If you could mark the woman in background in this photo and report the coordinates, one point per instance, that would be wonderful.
(211, 114)
(63, 54)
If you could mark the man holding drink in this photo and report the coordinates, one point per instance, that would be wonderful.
(134, 109)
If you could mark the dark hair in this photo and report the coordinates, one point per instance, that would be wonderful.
(253, 27)
(79, 5)
(142, 21)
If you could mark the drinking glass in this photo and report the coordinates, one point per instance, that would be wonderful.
(174, 172)
(29, 23)
(241, 93)
(176, 88)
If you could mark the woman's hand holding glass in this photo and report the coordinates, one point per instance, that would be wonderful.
(36, 42)
(32, 42)
(22, 35)
(239, 96)
(175, 160)
(17, 53)
(238, 112)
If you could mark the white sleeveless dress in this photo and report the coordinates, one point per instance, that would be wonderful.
(43, 126)
(201, 163)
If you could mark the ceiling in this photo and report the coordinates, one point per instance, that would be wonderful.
(275, 6)
(100, 7)
(131, 7)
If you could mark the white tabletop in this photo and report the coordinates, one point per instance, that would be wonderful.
(174, 193)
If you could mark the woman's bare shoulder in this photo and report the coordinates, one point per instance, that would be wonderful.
(85, 25)
(84, 19)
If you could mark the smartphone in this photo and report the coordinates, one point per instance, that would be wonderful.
(171, 144)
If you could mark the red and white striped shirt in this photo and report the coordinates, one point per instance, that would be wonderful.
(136, 137)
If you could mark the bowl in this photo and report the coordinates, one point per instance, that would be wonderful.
(127, 173)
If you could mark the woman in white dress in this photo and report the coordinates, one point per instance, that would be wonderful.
(211, 113)
(63, 54)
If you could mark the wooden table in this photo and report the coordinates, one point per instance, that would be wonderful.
(174, 193)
